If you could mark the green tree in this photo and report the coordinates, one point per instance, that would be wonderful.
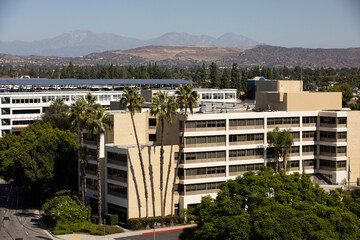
(78, 116)
(235, 78)
(346, 91)
(225, 79)
(164, 107)
(41, 158)
(281, 141)
(57, 114)
(97, 123)
(214, 76)
(132, 100)
(65, 207)
(186, 98)
(274, 206)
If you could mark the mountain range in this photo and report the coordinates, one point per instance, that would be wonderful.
(80, 43)
(188, 56)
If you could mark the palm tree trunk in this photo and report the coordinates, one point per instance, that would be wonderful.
(80, 163)
(178, 162)
(277, 155)
(142, 166)
(83, 161)
(285, 160)
(99, 178)
(162, 168)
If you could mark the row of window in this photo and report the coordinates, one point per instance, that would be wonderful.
(6, 122)
(246, 122)
(332, 135)
(205, 155)
(331, 149)
(332, 121)
(117, 158)
(246, 137)
(202, 171)
(245, 167)
(116, 190)
(200, 187)
(205, 124)
(27, 100)
(117, 174)
(205, 139)
(332, 165)
(283, 121)
(246, 152)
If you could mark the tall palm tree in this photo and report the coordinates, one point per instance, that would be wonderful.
(133, 101)
(78, 117)
(187, 98)
(97, 123)
(165, 108)
(281, 141)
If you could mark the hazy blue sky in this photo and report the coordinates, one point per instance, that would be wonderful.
(288, 23)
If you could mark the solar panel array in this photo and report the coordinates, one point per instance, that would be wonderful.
(49, 82)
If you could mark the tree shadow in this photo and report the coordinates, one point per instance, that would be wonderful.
(168, 176)
(136, 185)
(151, 176)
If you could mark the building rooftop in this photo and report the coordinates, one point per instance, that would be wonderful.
(50, 82)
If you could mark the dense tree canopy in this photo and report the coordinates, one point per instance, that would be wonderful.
(57, 114)
(275, 206)
(41, 158)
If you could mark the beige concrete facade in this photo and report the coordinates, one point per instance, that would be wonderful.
(353, 144)
(284, 95)
(123, 134)
(136, 190)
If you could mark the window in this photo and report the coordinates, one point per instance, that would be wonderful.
(205, 124)
(91, 183)
(205, 171)
(5, 111)
(246, 137)
(22, 122)
(152, 122)
(309, 134)
(5, 122)
(341, 120)
(91, 168)
(308, 120)
(152, 137)
(310, 164)
(204, 140)
(5, 100)
(205, 155)
(202, 186)
(309, 149)
(281, 121)
(245, 167)
(117, 158)
(246, 122)
(26, 111)
(117, 174)
(247, 152)
(117, 190)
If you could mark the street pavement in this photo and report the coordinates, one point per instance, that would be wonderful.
(17, 220)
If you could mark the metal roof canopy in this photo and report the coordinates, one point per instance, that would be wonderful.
(47, 82)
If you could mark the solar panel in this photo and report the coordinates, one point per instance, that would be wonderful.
(47, 82)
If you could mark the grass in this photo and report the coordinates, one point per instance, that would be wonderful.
(84, 227)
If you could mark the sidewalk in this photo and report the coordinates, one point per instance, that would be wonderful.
(121, 235)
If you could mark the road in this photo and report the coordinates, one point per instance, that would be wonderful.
(17, 220)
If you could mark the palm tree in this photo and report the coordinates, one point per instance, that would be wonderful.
(281, 141)
(133, 101)
(97, 123)
(78, 117)
(165, 108)
(187, 98)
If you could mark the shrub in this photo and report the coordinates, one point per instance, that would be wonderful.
(66, 207)
(138, 223)
(111, 219)
(85, 227)
(94, 219)
(62, 232)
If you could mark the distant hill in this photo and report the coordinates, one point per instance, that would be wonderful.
(187, 56)
(80, 43)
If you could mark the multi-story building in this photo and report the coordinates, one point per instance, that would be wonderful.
(222, 142)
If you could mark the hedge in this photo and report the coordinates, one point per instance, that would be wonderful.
(111, 219)
(138, 223)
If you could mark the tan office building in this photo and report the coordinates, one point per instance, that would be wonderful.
(224, 140)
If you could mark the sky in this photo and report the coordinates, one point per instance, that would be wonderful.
(286, 23)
